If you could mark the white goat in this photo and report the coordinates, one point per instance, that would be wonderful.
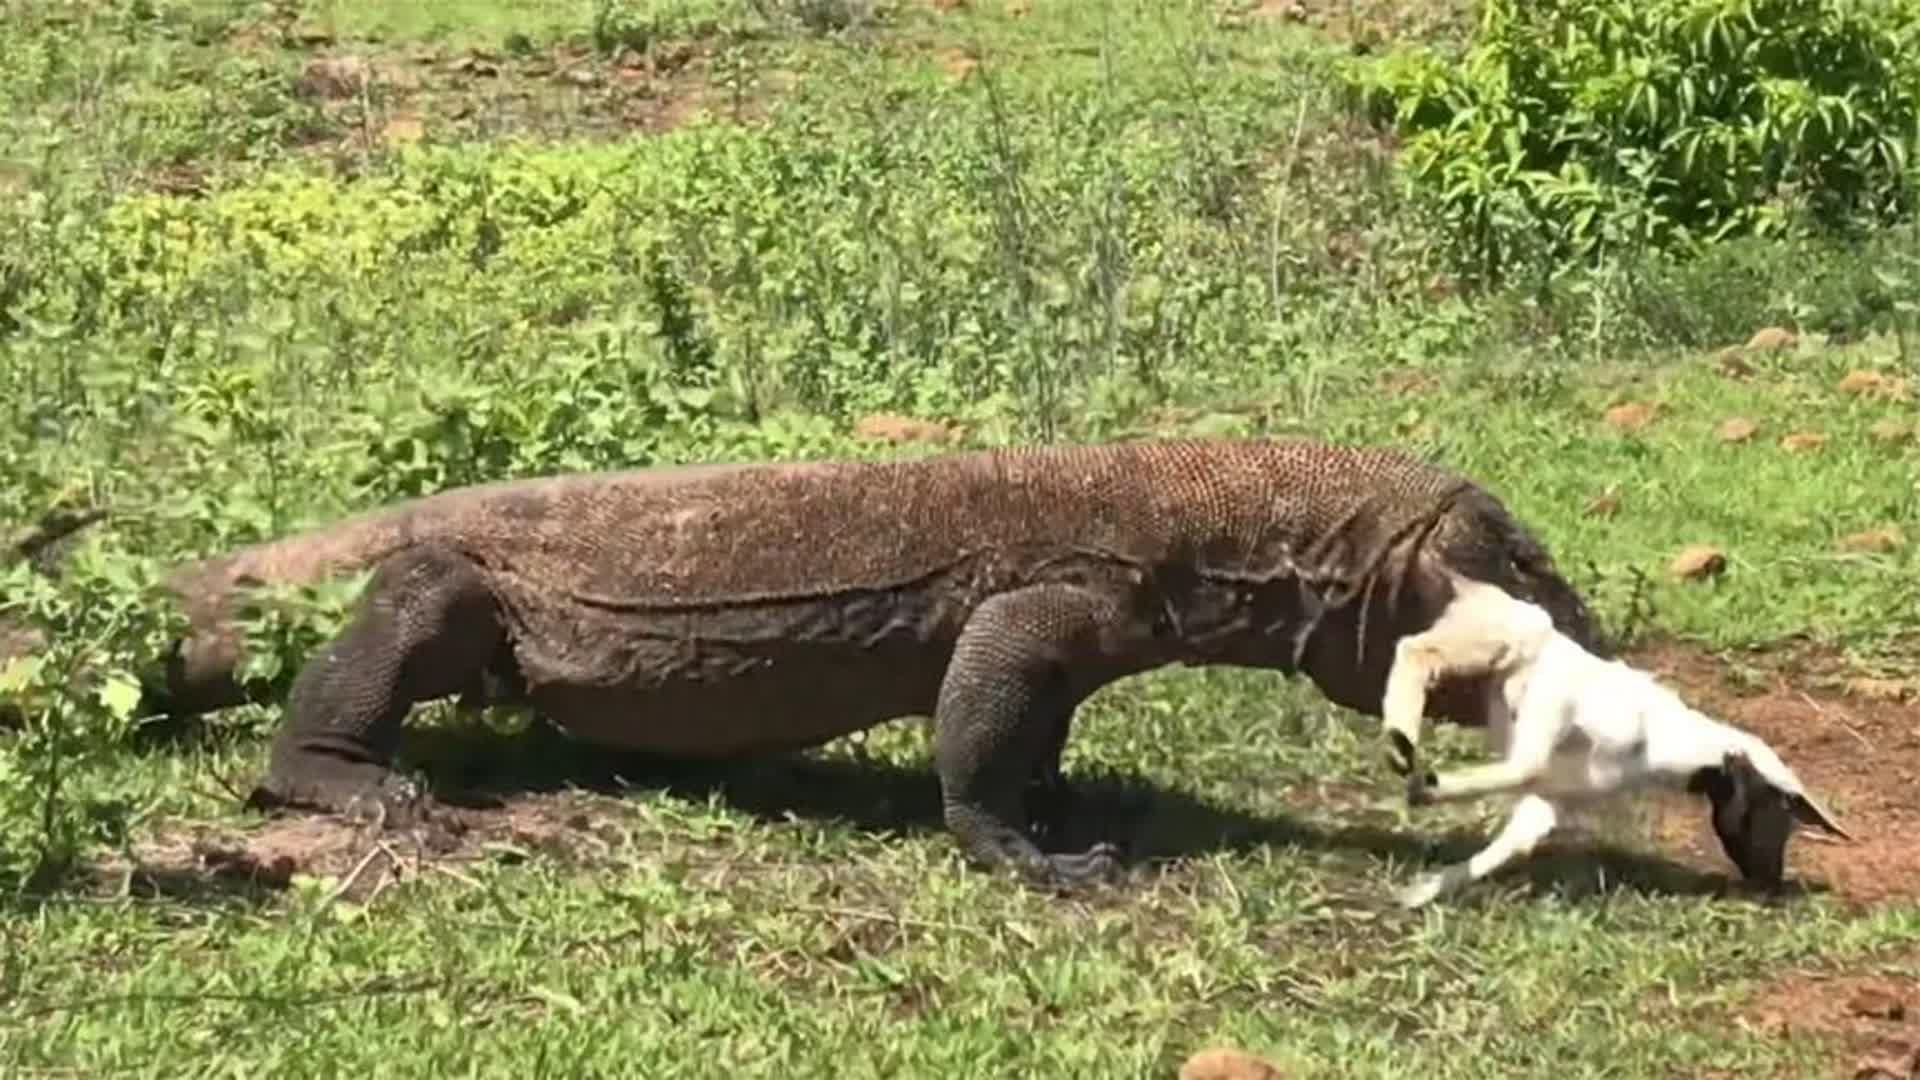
(1572, 728)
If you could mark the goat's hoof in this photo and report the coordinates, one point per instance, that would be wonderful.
(1401, 757)
(1422, 892)
(1420, 785)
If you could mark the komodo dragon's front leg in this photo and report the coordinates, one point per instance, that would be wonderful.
(425, 627)
(1022, 664)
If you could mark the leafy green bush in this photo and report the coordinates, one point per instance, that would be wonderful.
(1574, 127)
(99, 625)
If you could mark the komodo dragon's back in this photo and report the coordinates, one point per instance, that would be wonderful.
(963, 526)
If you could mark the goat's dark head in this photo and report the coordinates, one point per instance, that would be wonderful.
(1753, 814)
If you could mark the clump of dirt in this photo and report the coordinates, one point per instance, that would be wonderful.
(1631, 415)
(1738, 429)
(1863, 383)
(1226, 1063)
(1860, 754)
(1800, 442)
(1771, 339)
(359, 859)
(1875, 541)
(1698, 562)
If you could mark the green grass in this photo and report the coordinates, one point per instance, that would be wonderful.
(481, 23)
(1129, 219)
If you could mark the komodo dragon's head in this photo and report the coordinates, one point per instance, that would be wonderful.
(1479, 538)
(1350, 652)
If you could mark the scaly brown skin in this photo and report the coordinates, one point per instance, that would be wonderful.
(713, 611)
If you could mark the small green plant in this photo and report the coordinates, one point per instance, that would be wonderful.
(1663, 122)
(78, 689)
(640, 24)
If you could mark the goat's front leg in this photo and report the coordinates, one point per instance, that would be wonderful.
(1532, 819)
(1529, 743)
(1472, 636)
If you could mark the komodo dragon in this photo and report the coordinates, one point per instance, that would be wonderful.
(706, 611)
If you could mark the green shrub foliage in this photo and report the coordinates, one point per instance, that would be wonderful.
(1573, 127)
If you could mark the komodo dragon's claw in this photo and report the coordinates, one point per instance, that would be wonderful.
(1099, 864)
(388, 801)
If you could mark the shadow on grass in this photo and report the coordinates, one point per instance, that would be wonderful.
(1151, 822)
(474, 768)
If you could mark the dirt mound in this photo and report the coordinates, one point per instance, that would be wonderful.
(1860, 753)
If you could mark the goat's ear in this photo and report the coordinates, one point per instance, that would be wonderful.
(1807, 811)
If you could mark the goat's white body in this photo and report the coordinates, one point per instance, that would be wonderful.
(1570, 727)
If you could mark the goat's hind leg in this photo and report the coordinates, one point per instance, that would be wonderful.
(1530, 821)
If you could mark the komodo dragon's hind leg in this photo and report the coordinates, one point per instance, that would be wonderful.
(425, 628)
(1021, 665)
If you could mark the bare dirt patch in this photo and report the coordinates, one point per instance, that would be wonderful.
(374, 94)
(357, 859)
(1871, 1019)
(1364, 24)
(1859, 752)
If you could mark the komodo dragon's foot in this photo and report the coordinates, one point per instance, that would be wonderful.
(994, 845)
(1098, 865)
(354, 789)
(1095, 865)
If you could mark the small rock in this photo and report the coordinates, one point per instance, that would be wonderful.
(889, 427)
(580, 76)
(1737, 429)
(1772, 339)
(1862, 383)
(1631, 415)
(332, 77)
(1799, 442)
(1698, 562)
(1873, 689)
(1875, 541)
(1890, 431)
(1877, 1004)
(1733, 364)
(956, 63)
(1224, 1063)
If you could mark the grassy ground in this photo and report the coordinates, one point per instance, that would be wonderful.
(279, 261)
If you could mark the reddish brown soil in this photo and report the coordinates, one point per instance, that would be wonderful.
(1859, 753)
(1871, 1018)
